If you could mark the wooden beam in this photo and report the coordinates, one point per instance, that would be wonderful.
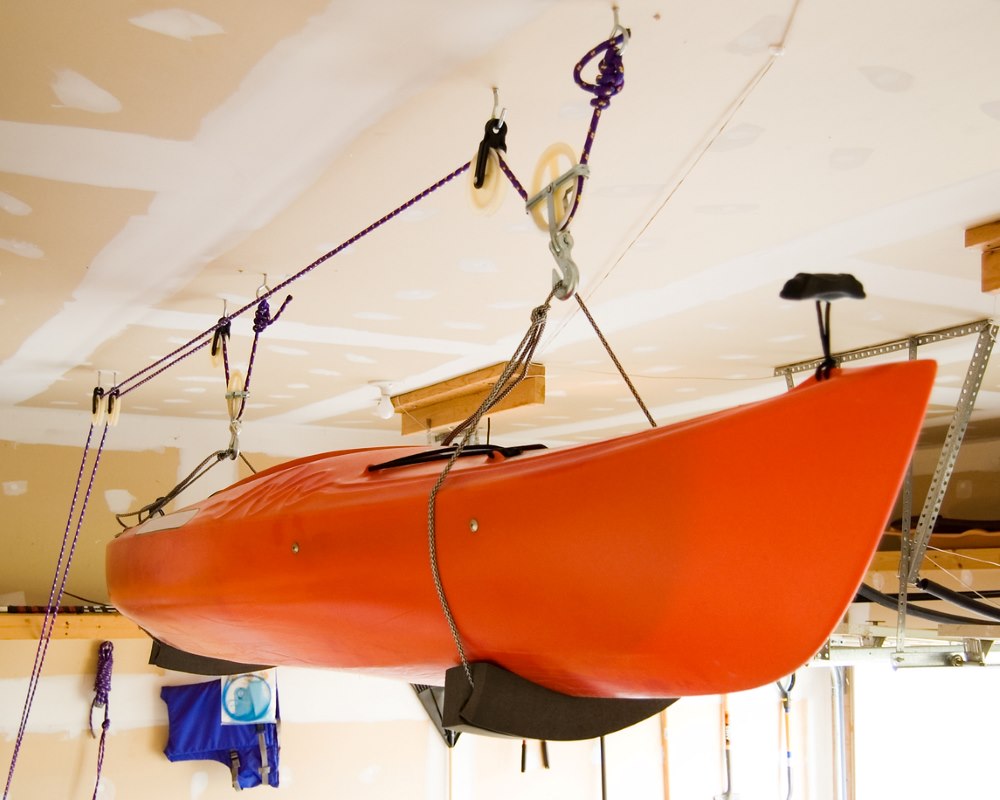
(988, 237)
(456, 399)
(97, 625)
(991, 271)
(979, 559)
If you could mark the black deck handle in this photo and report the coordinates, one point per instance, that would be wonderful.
(444, 453)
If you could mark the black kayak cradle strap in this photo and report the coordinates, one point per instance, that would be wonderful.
(500, 703)
(164, 655)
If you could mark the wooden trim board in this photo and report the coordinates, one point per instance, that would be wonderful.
(102, 625)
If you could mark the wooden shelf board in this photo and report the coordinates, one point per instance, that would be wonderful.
(103, 625)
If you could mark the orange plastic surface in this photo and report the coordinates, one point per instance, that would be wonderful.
(710, 556)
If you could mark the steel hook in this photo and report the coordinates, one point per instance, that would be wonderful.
(502, 111)
(567, 276)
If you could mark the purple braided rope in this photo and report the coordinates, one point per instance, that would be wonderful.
(102, 691)
(194, 349)
(46, 625)
(190, 346)
(610, 81)
(261, 320)
(225, 360)
(56, 594)
(512, 178)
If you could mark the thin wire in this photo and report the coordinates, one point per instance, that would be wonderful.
(965, 557)
(777, 50)
(101, 603)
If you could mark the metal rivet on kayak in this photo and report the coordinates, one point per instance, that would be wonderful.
(295, 547)
(473, 525)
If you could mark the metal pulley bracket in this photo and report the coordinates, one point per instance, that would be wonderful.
(566, 277)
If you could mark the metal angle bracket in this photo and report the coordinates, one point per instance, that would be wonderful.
(921, 339)
(952, 444)
(905, 539)
(976, 650)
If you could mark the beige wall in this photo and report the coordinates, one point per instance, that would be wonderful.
(37, 483)
(342, 736)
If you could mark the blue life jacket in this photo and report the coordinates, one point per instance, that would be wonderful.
(197, 733)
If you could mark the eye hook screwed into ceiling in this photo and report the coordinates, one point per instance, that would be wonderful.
(263, 289)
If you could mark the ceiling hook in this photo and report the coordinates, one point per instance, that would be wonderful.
(619, 30)
(502, 111)
(263, 289)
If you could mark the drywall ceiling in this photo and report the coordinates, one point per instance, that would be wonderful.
(157, 162)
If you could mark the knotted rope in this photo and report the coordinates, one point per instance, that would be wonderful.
(262, 319)
(102, 690)
(610, 72)
(610, 81)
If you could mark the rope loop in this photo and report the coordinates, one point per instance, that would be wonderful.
(610, 72)
(262, 316)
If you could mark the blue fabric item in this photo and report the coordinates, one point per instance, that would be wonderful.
(197, 733)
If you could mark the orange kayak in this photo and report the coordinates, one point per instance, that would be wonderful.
(705, 557)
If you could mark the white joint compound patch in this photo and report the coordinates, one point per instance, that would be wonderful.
(119, 500)
(76, 91)
(178, 23)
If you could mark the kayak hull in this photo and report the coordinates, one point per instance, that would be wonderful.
(709, 556)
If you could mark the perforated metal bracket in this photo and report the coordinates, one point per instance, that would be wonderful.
(919, 340)
(952, 444)
(987, 330)
(905, 541)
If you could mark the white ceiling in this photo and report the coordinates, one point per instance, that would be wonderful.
(155, 162)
